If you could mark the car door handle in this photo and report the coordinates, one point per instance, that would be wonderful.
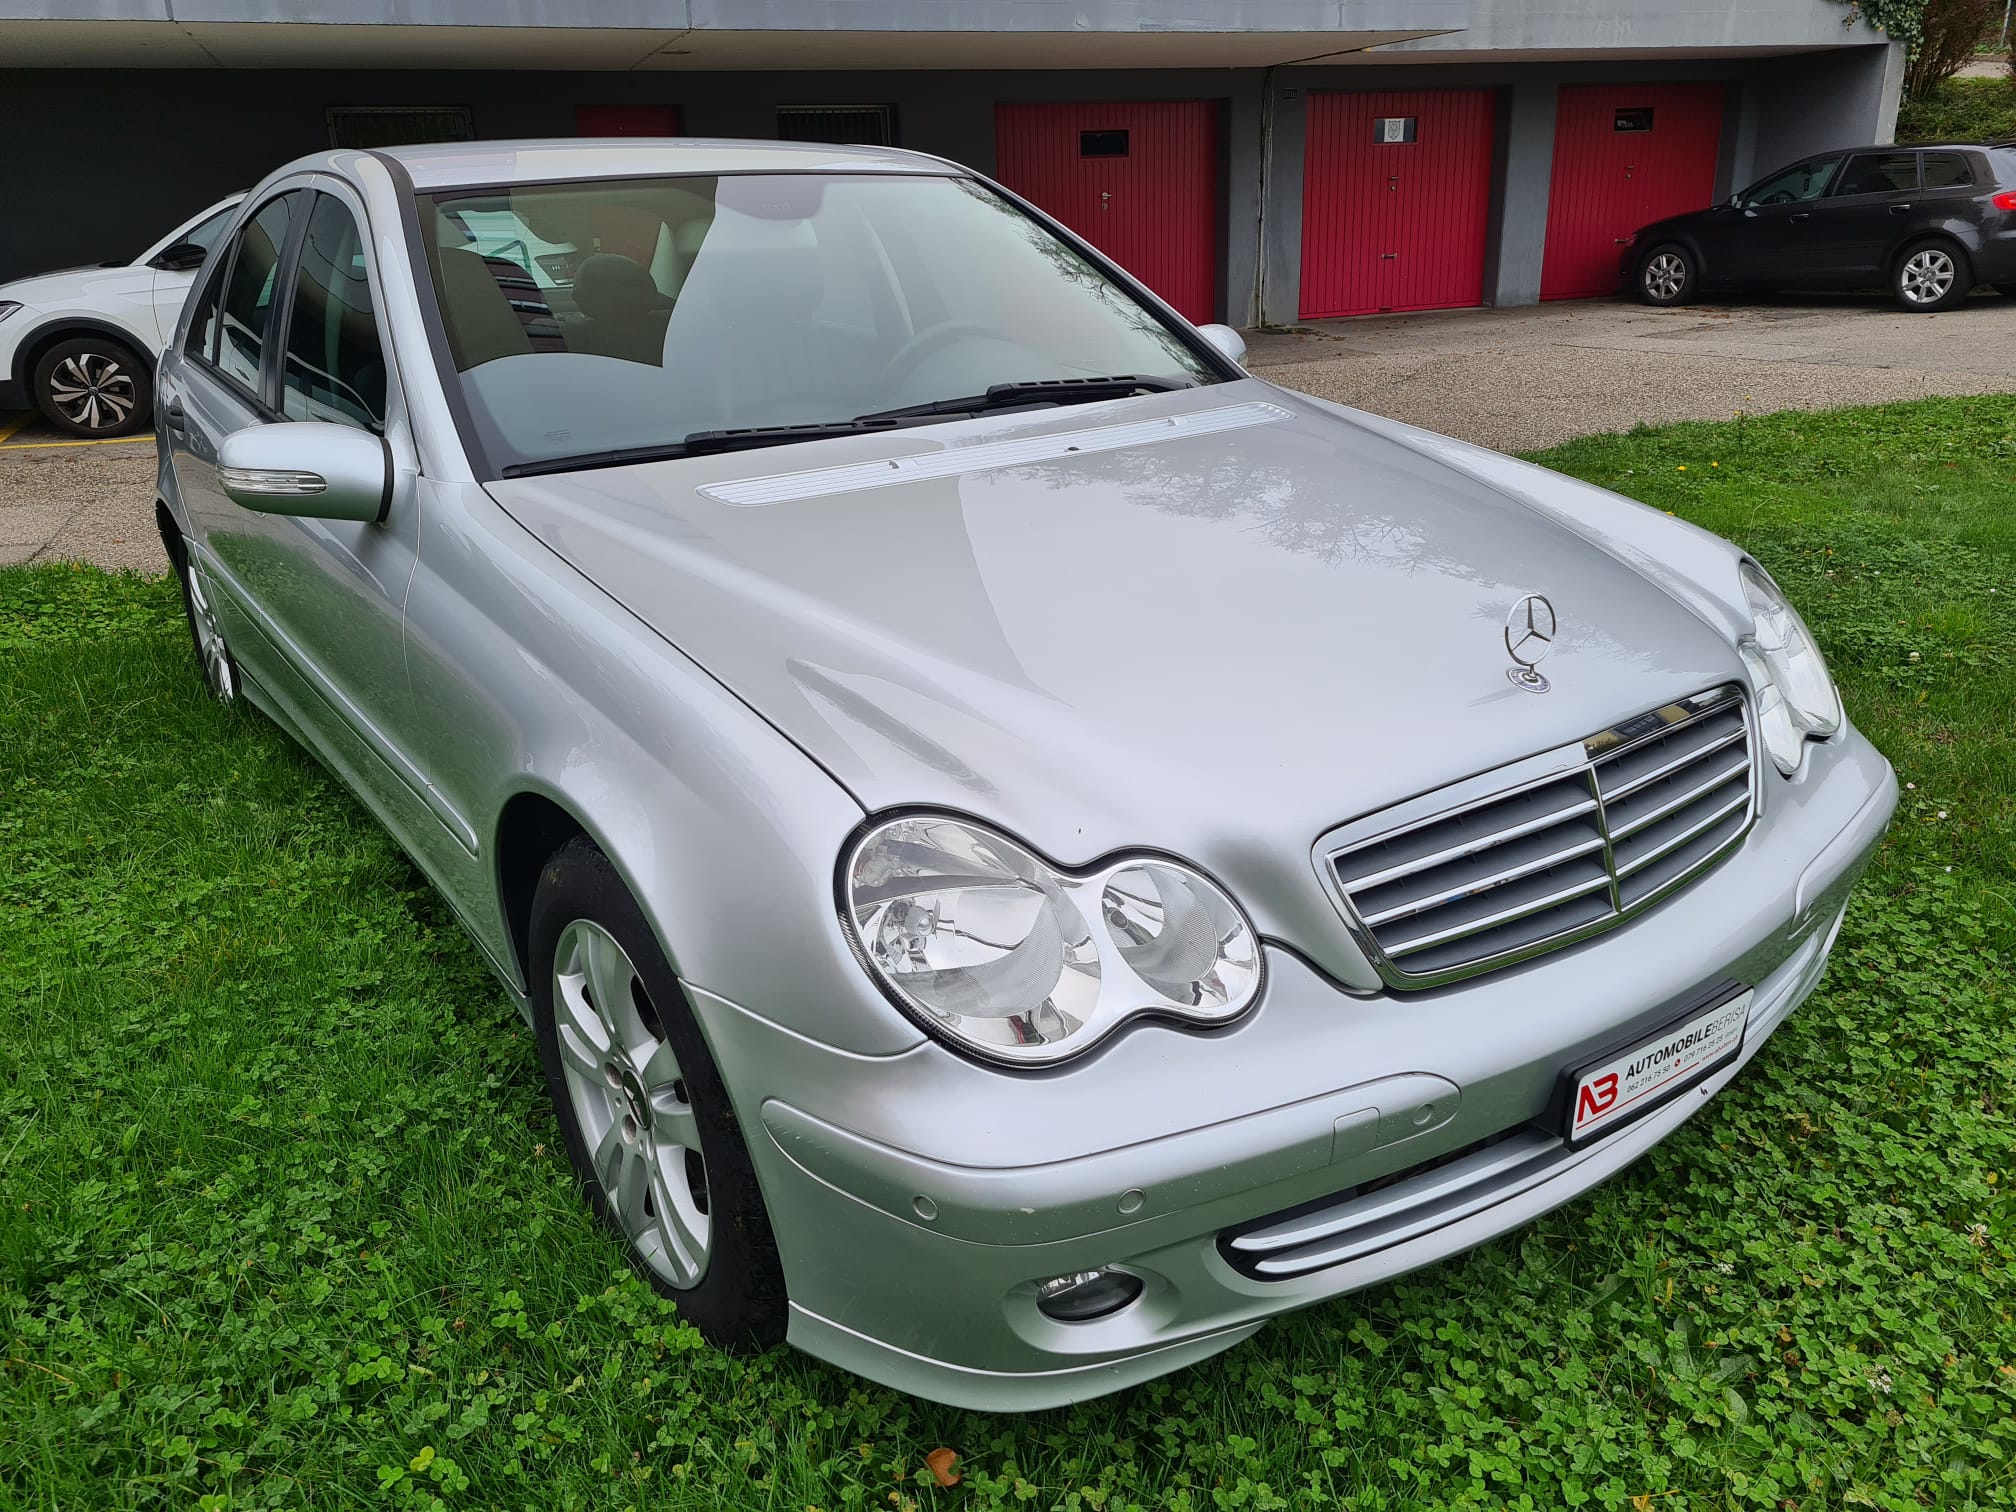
(176, 417)
(1802, 215)
(1900, 209)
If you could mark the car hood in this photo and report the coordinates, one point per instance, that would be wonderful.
(53, 287)
(1218, 622)
(1692, 220)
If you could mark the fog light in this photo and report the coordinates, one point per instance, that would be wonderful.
(1085, 1295)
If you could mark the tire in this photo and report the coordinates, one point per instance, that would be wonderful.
(218, 668)
(95, 387)
(641, 1106)
(1667, 275)
(1929, 276)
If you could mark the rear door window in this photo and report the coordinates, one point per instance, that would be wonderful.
(248, 291)
(1878, 173)
(1948, 170)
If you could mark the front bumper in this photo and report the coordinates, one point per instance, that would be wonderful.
(920, 1269)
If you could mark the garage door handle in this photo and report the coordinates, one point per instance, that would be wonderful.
(175, 415)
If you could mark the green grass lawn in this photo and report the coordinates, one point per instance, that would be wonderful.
(284, 1223)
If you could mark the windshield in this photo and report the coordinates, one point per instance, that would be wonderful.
(595, 316)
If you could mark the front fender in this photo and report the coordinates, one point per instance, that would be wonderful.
(527, 678)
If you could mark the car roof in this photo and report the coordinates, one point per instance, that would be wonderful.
(455, 164)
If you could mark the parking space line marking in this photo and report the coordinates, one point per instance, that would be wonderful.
(8, 430)
(45, 445)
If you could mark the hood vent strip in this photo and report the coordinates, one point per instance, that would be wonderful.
(956, 461)
(1504, 872)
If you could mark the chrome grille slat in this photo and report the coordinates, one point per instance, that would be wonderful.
(1625, 790)
(1575, 841)
(1487, 884)
(1470, 848)
(1504, 916)
(1665, 847)
(1719, 778)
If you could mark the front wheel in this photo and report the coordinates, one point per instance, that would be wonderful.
(1668, 276)
(1931, 275)
(95, 387)
(641, 1106)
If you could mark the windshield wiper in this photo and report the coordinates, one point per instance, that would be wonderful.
(701, 443)
(1038, 391)
(747, 438)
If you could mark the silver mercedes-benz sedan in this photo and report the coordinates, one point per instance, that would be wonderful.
(1028, 851)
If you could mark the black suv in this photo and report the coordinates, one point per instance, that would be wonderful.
(1927, 223)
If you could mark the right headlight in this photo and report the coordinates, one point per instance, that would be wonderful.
(1795, 696)
(992, 948)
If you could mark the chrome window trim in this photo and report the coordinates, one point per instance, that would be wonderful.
(1577, 758)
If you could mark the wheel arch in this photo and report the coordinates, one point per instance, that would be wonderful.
(1932, 234)
(531, 827)
(171, 534)
(38, 341)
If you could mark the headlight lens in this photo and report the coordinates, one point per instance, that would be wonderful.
(1795, 696)
(990, 946)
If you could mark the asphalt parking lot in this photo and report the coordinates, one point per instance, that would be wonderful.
(1512, 379)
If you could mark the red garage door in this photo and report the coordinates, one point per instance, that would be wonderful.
(627, 120)
(1139, 182)
(1624, 155)
(1396, 196)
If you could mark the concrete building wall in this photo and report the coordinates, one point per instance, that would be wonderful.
(182, 137)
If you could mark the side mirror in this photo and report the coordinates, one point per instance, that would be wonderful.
(1227, 340)
(182, 257)
(307, 467)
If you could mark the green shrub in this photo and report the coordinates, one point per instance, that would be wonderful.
(1961, 110)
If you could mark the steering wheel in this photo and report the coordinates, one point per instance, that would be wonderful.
(932, 338)
(1781, 197)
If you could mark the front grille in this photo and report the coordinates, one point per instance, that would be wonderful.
(1549, 850)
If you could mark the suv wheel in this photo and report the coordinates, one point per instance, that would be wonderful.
(1667, 276)
(1931, 275)
(95, 387)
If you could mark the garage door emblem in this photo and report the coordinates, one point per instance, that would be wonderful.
(1529, 636)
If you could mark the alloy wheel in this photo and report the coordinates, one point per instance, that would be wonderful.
(1665, 275)
(629, 1097)
(1928, 276)
(211, 650)
(93, 391)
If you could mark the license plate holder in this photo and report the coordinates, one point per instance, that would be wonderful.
(1622, 1085)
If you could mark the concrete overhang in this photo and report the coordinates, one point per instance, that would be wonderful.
(1534, 31)
(707, 34)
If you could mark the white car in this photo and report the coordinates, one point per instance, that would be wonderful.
(79, 345)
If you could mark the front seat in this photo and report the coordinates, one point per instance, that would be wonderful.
(624, 312)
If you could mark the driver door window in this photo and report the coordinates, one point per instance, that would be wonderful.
(1795, 185)
(334, 367)
(248, 291)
